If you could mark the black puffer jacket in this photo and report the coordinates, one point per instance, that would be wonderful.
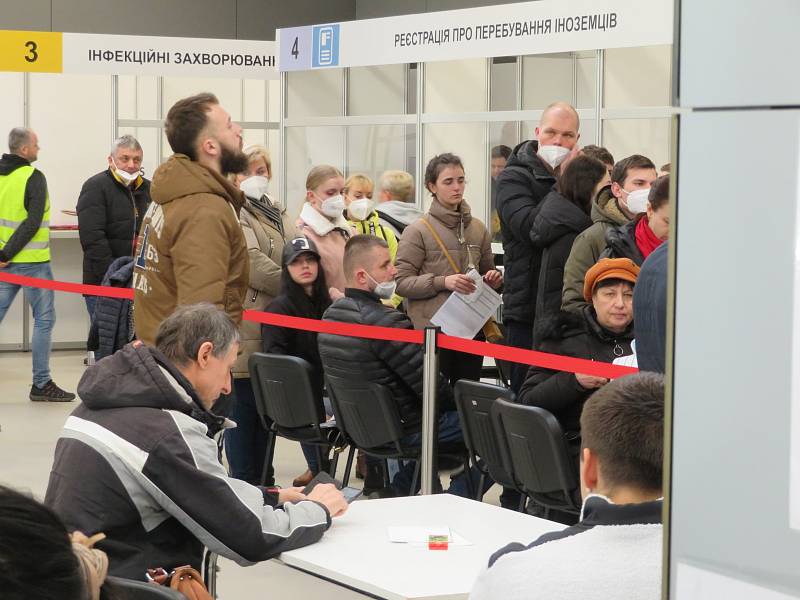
(555, 227)
(295, 342)
(521, 187)
(397, 365)
(112, 322)
(621, 242)
(579, 336)
(109, 217)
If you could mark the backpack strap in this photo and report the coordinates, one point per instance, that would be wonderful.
(441, 245)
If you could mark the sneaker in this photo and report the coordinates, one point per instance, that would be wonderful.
(50, 392)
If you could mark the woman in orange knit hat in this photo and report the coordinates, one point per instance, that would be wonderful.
(603, 331)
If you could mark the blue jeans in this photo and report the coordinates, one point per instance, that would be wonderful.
(449, 432)
(44, 314)
(246, 444)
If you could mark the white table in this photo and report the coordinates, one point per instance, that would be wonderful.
(356, 551)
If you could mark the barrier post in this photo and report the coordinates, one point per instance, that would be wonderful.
(430, 421)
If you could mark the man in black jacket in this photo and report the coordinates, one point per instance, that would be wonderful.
(110, 210)
(397, 365)
(529, 175)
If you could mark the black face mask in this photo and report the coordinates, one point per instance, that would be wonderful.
(232, 161)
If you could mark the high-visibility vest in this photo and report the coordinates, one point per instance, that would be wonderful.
(13, 213)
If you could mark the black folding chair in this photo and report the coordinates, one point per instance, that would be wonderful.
(286, 405)
(540, 461)
(474, 401)
(368, 417)
(129, 589)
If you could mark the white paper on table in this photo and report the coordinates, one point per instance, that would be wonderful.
(420, 535)
(463, 315)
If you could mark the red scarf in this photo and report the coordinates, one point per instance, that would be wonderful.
(646, 240)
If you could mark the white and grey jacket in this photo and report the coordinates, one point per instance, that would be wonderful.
(134, 461)
(613, 552)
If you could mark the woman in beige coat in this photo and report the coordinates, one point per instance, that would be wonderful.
(424, 274)
(266, 227)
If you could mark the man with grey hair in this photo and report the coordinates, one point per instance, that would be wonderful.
(111, 206)
(135, 460)
(25, 250)
(396, 201)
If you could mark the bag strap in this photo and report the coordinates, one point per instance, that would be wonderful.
(441, 245)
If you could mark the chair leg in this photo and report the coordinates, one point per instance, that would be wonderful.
(522, 499)
(318, 452)
(481, 483)
(334, 464)
(268, 457)
(414, 479)
(386, 481)
(471, 493)
(348, 466)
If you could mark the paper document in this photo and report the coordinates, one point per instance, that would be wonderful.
(463, 315)
(421, 535)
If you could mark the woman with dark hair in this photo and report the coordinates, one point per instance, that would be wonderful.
(637, 239)
(563, 214)
(304, 293)
(438, 250)
(39, 559)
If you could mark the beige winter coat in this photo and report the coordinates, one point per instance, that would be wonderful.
(422, 266)
(264, 248)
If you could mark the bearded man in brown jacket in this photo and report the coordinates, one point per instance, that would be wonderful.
(191, 248)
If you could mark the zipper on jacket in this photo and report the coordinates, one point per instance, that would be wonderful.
(255, 295)
(618, 351)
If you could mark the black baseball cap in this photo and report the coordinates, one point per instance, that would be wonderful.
(296, 247)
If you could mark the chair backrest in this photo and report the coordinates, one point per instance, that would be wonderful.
(541, 463)
(474, 402)
(365, 412)
(283, 392)
(129, 589)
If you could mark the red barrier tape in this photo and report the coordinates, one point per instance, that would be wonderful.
(555, 362)
(62, 286)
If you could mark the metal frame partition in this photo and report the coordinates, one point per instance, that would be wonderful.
(421, 118)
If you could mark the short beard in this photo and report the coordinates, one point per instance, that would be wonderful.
(232, 161)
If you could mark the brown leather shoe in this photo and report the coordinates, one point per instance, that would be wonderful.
(303, 480)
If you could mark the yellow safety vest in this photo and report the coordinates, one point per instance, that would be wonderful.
(13, 213)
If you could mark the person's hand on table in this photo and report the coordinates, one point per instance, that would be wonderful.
(292, 494)
(493, 278)
(331, 498)
(590, 382)
(462, 284)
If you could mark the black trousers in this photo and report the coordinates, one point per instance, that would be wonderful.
(519, 335)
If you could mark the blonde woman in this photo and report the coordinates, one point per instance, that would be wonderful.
(266, 227)
(322, 221)
(364, 219)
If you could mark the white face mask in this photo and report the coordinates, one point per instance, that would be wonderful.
(553, 155)
(127, 178)
(333, 207)
(384, 290)
(255, 186)
(360, 209)
(637, 201)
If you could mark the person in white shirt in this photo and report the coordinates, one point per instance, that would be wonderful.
(615, 550)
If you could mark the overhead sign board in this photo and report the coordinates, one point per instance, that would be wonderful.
(539, 27)
(55, 52)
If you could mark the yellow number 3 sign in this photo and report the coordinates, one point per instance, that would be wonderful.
(33, 51)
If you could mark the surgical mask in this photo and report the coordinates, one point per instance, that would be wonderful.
(360, 209)
(637, 201)
(553, 155)
(384, 290)
(333, 207)
(255, 186)
(127, 178)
